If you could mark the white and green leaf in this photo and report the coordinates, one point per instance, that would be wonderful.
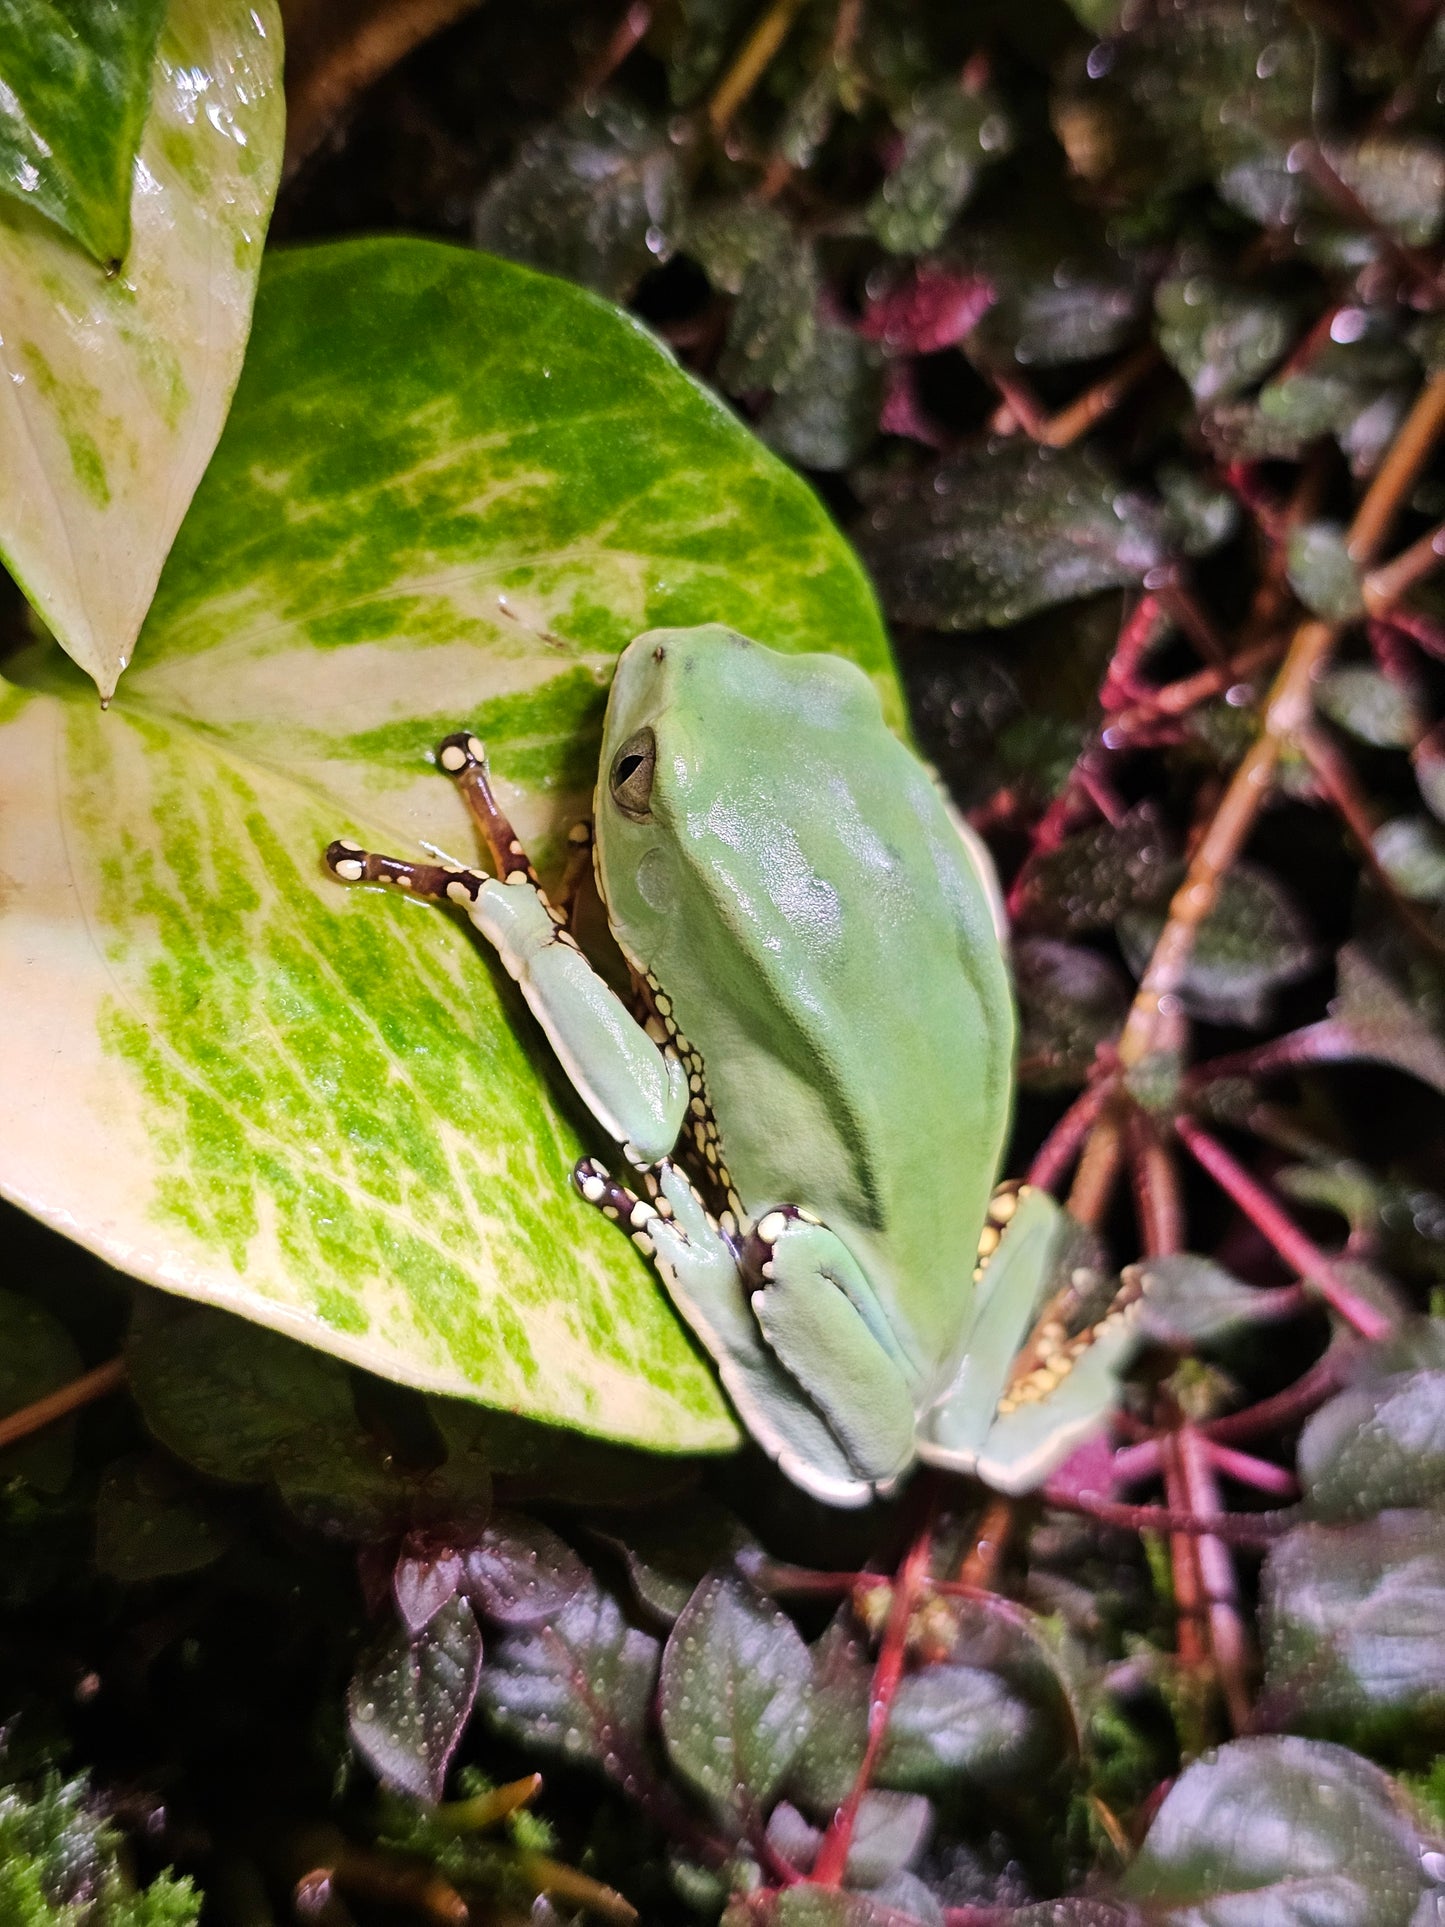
(115, 384)
(449, 491)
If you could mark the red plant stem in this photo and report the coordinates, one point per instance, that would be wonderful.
(1227, 1638)
(1061, 1146)
(1070, 423)
(630, 29)
(1144, 625)
(1191, 1632)
(1269, 1416)
(833, 1854)
(1300, 1252)
(67, 1398)
(1239, 1528)
(1258, 1474)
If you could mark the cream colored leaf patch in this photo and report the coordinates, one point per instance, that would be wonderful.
(448, 493)
(114, 385)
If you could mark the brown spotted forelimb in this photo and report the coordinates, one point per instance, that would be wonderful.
(568, 893)
(464, 758)
(434, 882)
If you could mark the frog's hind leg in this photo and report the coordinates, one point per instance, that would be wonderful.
(1030, 1388)
(699, 1266)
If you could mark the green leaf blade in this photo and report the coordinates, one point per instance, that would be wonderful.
(77, 82)
(117, 385)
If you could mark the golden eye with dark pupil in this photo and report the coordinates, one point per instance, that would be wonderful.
(632, 770)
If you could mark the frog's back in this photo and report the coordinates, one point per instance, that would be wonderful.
(829, 946)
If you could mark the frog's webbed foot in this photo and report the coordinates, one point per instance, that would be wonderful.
(1037, 1379)
(698, 1262)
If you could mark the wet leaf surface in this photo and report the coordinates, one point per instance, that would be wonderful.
(411, 1697)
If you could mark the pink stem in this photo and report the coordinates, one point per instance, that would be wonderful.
(1259, 1474)
(1061, 1146)
(1300, 1252)
(833, 1854)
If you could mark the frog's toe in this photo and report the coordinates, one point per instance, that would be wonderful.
(461, 750)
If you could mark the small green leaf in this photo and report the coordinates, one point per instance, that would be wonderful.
(828, 412)
(999, 531)
(451, 501)
(670, 1551)
(1376, 1445)
(1222, 339)
(245, 1404)
(1098, 874)
(1254, 941)
(1411, 851)
(734, 1696)
(411, 1697)
(596, 197)
(750, 251)
(36, 1356)
(1367, 703)
(115, 387)
(949, 136)
(1280, 1833)
(75, 81)
(1377, 1018)
(1323, 574)
(952, 1723)
(1352, 1646)
(147, 1526)
(1061, 291)
(1070, 1000)
(1190, 1300)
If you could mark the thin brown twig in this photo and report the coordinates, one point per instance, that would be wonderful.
(1228, 1641)
(80, 1391)
(1392, 581)
(752, 62)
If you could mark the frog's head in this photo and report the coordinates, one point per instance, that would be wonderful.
(706, 734)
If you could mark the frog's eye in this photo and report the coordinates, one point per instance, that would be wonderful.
(631, 779)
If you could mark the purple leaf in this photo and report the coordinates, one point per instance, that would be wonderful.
(519, 1573)
(423, 1580)
(410, 1700)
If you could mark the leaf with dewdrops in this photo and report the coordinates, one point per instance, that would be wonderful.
(327, 1109)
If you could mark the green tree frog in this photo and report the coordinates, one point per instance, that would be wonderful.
(813, 1086)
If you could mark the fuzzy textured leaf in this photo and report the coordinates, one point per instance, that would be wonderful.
(1353, 1618)
(735, 1698)
(580, 1686)
(116, 386)
(1280, 1833)
(454, 501)
(596, 197)
(1000, 531)
(411, 1697)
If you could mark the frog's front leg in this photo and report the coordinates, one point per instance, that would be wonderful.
(636, 1087)
(706, 1275)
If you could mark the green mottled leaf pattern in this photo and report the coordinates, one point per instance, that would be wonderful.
(451, 502)
(75, 81)
(116, 386)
